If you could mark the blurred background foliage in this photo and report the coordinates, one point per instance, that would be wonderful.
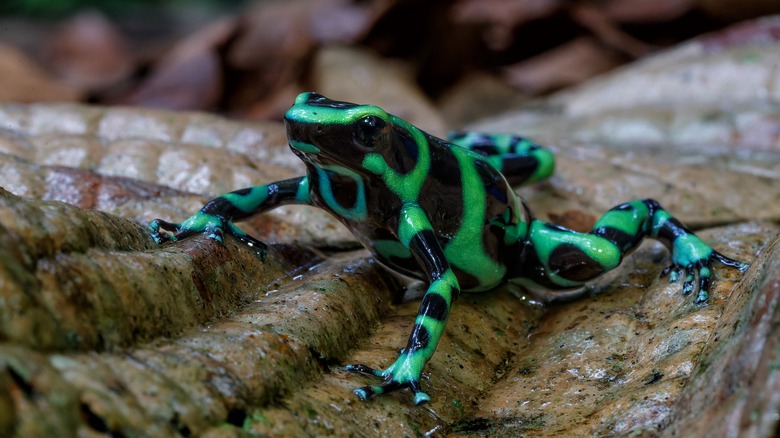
(46, 9)
(248, 59)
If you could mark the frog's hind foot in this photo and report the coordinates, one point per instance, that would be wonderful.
(698, 273)
(726, 261)
(390, 384)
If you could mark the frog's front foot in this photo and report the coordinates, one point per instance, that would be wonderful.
(160, 228)
(404, 373)
(692, 258)
(213, 227)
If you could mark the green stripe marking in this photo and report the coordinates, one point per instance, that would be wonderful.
(304, 147)
(406, 186)
(466, 250)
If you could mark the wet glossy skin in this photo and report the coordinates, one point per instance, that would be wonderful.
(444, 213)
(367, 187)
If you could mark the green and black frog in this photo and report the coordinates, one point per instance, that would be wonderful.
(444, 212)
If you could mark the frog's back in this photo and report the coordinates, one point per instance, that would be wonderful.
(468, 203)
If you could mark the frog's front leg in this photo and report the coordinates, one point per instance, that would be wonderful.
(216, 218)
(565, 258)
(415, 232)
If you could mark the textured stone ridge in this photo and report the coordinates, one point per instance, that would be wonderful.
(256, 345)
(75, 279)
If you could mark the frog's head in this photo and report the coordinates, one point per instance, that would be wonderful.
(322, 131)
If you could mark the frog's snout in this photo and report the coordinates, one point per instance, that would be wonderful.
(302, 131)
(310, 98)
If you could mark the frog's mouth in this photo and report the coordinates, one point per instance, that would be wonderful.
(299, 137)
(302, 146)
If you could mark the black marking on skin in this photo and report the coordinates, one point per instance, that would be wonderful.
(275, 191)
(620, 238)
(427, 250)
(487, 173)
(405, 150)
(556, 227)
(316, 99)
(518, 168)
(444, 168)
(671, 229)
(434, 306)
(571, 263)
(281, 190)
(629, 207)
(492, 182)
(345, 189)
(444, 181)
(492, 244)
(497, 192)
(515, 145)
(480, 143)
(222, 207)
(515, 142)
(485, 150)
(531, 267)
(369, 391)
(652, 204)
(410, 146)
(508, 255)
(466, 280)
(419, 339)
(454, 293)
(511, 256)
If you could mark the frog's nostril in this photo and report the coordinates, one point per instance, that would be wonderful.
(320, 129)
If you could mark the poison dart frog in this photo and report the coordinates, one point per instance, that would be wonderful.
(444, 212)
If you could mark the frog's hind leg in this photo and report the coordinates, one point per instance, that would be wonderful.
(415, 232)
(563, 258)
(520, 160)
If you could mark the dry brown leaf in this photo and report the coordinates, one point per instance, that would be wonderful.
(568, 64)
(288, 30)
(643, 11)
(494, 95)
(608, 32)
(25, 81)
(191, 75)
(89, 53)
(360, 76)
(739, 9)
(277, 39)
(506, 13)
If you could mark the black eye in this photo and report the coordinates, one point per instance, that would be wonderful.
(369, 130)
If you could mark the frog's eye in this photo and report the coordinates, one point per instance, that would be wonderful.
(368, 130)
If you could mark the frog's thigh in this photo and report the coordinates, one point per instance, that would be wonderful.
(570, 258)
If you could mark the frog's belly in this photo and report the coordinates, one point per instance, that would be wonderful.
(394, 256)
